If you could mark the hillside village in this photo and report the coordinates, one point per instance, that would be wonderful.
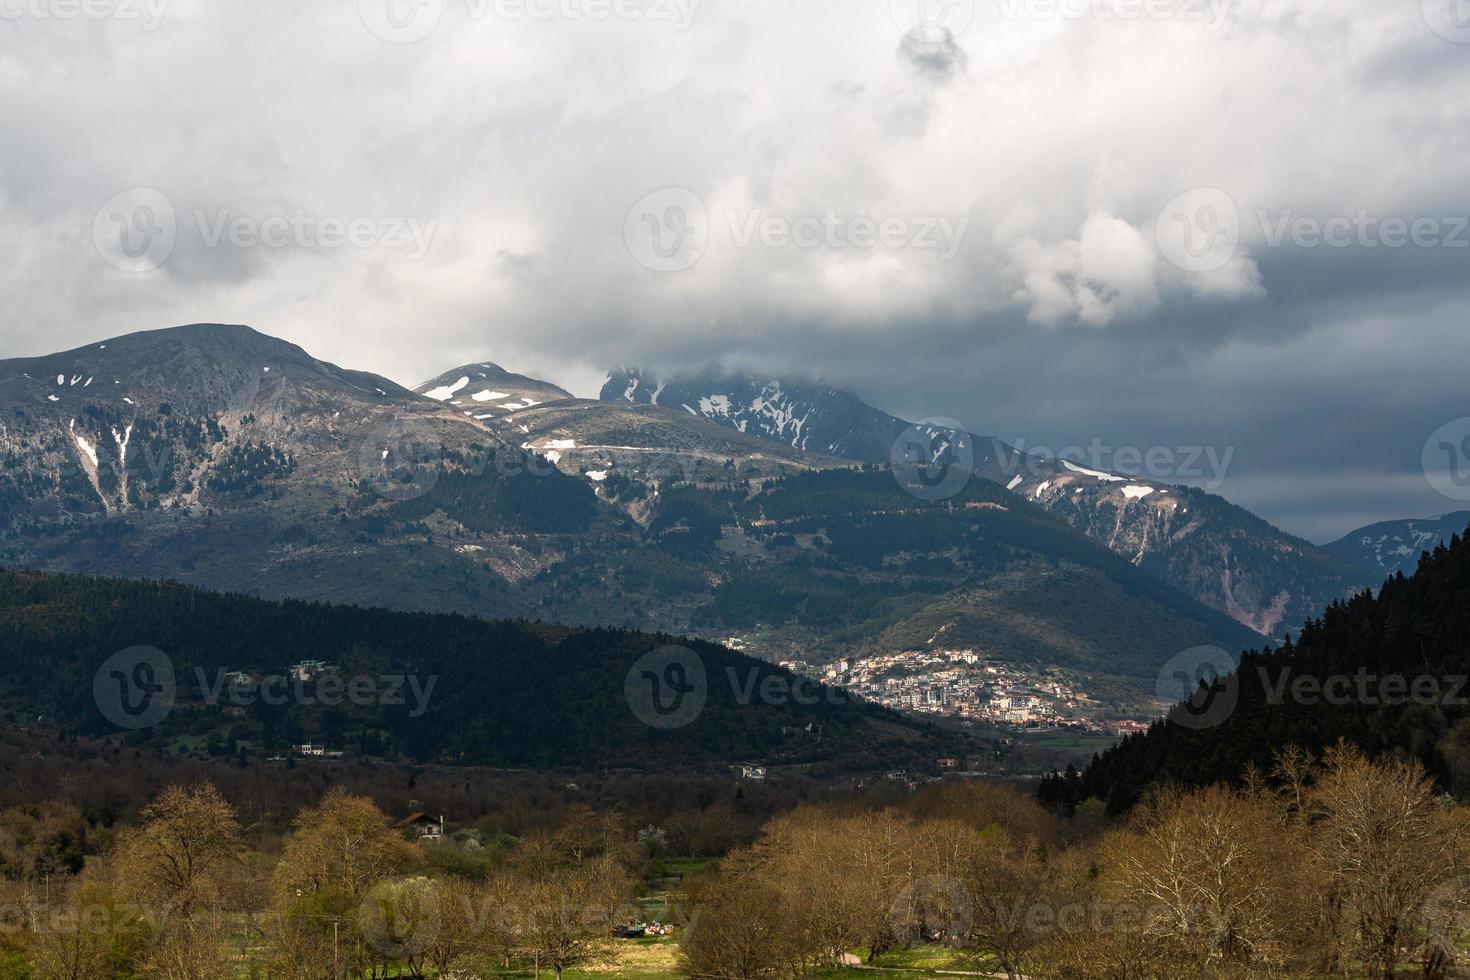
(969, 685)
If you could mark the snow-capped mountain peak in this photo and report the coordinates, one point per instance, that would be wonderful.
(810, 416)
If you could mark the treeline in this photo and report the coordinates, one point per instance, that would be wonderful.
(1389, 673)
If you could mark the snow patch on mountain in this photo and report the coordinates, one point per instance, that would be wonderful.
(1105, 477)
(448, 391)
(715, 405)
(87, 447)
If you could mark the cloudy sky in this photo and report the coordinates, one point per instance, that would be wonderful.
(1235, 224)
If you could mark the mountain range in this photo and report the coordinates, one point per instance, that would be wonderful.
(223, 458)
(780, 513)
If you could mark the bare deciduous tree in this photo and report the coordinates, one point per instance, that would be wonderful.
(183, 854)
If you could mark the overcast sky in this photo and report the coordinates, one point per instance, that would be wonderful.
(1058, 221)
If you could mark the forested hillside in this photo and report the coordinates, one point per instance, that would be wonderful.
(1389, 673)
(443, 688)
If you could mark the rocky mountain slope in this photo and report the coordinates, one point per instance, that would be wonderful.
(1387, 547)
(1221, 554)
(980, 570)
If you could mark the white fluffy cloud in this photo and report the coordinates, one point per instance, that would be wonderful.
(1108, 271)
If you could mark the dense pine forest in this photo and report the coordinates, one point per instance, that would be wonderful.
(1387, 672)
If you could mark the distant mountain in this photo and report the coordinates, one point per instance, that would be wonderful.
(446, 688)
(1221, 554)
(1386, 672)
(1395, 546)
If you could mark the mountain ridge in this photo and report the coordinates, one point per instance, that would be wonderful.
(819, 418)
(1223, 555)
(1385, 547)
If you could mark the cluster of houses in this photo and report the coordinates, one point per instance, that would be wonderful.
(959, 683)
(964, 683)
